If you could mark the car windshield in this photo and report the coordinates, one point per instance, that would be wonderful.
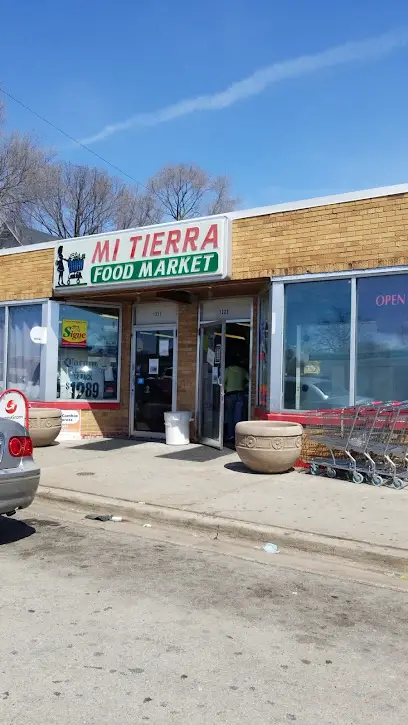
(329, 388)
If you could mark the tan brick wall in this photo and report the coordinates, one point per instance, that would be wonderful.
(355, 235)
(26, 276)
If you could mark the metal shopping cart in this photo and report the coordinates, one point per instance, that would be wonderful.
(367, 442)
(75, 268)
(387, 445)
(335, 430)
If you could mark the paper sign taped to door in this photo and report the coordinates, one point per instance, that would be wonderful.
(210, 357)
(163, 348)
(154, 366)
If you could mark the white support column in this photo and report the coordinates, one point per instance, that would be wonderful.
(353, 340)
(49, 352)
(276, 347)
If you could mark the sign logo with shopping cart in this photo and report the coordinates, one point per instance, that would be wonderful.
(174, 252)
(69, 270)
(74, 333)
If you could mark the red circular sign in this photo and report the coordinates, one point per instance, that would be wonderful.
(11, 407)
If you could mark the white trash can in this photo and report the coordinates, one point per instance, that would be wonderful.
(177, 426)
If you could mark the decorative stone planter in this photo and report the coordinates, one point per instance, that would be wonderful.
(44, 425)
(268, 446)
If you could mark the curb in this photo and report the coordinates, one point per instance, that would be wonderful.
(350, 549)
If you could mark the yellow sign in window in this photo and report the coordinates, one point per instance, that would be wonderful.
(74, 333)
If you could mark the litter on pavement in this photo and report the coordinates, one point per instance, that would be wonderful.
(271, 548)
(103, 517)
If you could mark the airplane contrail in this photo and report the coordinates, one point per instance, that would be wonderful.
(256, 83)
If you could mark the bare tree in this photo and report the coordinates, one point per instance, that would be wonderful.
(221, 198)
(186, 190)
(76, 201)
(22, 164)
(134, 209)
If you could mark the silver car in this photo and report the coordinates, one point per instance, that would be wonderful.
(19, 475)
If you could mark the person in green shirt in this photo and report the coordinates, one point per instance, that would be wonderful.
(235, 386)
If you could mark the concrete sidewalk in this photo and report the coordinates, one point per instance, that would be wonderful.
(198, 486)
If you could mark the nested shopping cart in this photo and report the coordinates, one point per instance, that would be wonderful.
(366, 442)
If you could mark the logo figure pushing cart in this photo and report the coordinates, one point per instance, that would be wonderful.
(75, 264)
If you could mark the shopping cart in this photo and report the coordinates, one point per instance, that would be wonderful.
(367, 442)
(337, 430)
(75, 268)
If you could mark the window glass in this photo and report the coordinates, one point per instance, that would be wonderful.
(88, 339)
(2, 323)
(24, 355)
(382, 337)
(263, 351)
(317, 345)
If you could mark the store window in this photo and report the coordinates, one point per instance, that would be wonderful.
(23, 355)
(88, 353)
(263, 351)
(382, 337)
(317, 345)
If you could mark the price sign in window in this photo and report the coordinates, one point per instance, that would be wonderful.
(88, 353)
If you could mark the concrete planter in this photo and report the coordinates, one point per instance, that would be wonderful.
(268, 446)
(44, 426)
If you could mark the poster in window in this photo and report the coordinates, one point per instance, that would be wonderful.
(153, 366)
(74, 333)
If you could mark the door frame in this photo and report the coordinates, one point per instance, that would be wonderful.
(223, 323)
(213, 442)
(146, 328)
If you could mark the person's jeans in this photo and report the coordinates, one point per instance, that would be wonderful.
(234, 409)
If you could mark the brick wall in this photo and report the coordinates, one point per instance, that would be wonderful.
(26, 276)
(355, 235)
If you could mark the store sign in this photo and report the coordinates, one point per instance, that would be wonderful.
(74, 333)
(191, 250)
(70, 425)
(14, 406)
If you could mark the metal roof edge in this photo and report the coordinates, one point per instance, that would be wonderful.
(320, 201)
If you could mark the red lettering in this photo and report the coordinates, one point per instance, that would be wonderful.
(156, 244)
(134, 241)
(146, 245)
(115, 250)
(211, 237)
(384, 300)
(101, 252)
(192, 235)
(173, 239)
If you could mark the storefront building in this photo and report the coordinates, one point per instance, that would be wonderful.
(310, 298)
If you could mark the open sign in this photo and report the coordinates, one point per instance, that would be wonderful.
(393, 300)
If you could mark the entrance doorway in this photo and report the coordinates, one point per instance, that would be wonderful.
(224, 380)
(154, 353)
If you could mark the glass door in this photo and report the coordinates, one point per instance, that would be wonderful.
(154, 379)
(211, 384)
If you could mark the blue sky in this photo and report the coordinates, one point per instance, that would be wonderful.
(331, 123)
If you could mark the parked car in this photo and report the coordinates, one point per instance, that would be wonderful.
(19, 474)
(318, 393)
